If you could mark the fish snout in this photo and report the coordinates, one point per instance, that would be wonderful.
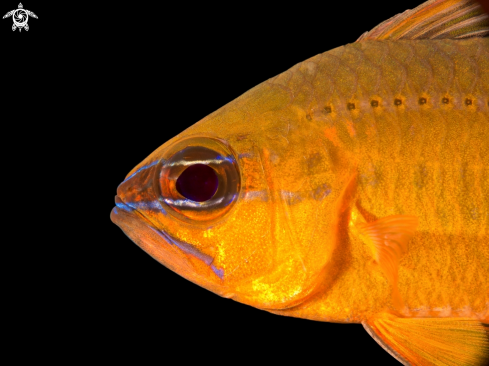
(119, 204)
(138, 189)
(121, 212)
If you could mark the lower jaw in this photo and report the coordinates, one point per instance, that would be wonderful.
(153, 242)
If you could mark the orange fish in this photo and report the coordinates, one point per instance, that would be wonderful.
(352, 188)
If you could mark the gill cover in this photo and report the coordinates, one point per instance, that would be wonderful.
(266, 236)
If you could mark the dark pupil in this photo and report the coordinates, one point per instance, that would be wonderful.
(197, 183)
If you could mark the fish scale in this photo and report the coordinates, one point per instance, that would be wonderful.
(441, 201)
(352, 188)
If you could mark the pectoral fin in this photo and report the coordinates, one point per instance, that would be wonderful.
(388, 238)
(431, 341)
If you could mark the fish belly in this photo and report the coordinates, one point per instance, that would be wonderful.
(414, 117)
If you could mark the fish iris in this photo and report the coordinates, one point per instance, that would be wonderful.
(197, 183)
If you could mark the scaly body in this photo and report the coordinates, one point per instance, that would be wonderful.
(414, 118)
(353, 187)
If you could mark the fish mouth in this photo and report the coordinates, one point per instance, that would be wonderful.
(170, 252)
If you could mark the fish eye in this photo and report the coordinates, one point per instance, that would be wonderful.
(199, 179)
(197, 183)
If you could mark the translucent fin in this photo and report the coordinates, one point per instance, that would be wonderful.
(434, 19)
(431, 341)
(388, 238)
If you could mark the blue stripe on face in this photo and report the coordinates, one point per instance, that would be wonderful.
(219, 272)
(149, 206)
(129, 204)
(245, 155)
(187, 248)
(124, 207)
(141, 169)
(141, 206)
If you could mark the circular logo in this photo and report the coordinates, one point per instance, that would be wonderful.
(20, 17)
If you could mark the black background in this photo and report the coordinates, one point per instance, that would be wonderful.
(89, 92)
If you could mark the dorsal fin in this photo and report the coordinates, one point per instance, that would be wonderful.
(435, 19)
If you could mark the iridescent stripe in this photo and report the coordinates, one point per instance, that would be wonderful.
(141, 169)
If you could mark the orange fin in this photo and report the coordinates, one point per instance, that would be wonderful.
(431, 341)
(434, 19)
(388, 239)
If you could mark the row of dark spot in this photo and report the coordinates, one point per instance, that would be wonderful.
(398, 102)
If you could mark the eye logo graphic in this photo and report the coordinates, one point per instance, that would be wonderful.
(20, 17)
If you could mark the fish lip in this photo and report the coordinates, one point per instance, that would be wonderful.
(119, 203)
(132, 214)
(172, 253)
(123, 213)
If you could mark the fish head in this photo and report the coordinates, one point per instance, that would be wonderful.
(243, 203)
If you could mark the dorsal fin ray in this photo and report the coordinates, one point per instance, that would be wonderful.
(435, 19)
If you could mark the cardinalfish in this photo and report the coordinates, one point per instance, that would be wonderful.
(352, 188)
